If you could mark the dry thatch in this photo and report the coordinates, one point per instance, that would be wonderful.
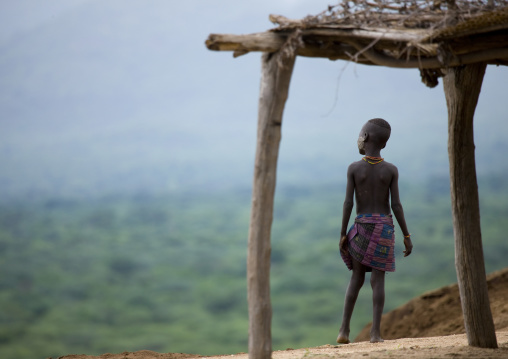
(417, 14)
(423, 34)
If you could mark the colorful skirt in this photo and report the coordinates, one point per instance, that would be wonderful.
(371, 241)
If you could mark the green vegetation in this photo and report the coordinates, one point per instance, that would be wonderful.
(167, 273)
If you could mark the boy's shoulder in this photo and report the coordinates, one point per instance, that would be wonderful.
(355, 164)
(389, 164)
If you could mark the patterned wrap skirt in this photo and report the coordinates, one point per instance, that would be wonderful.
(371, 241)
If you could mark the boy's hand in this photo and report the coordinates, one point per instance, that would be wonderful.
(343, 244)
(409, 246)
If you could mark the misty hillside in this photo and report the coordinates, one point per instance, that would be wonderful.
(167, 272)
(124, 96)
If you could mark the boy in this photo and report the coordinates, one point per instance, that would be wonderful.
(369, 244)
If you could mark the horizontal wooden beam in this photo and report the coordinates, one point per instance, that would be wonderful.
(490, 55)
(361, 46)
(262, 41)
(272, 42)
(340, 32)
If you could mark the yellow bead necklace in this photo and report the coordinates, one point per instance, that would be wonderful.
(375, 159)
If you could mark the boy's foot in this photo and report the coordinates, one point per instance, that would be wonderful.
(343, 339)
(376, 340)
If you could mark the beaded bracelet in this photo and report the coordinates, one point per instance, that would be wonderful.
(408, 236)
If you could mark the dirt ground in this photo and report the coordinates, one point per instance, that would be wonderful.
(451, 346)
(418, 329)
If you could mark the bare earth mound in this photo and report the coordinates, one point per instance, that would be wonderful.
(439, 312)
(425, 324)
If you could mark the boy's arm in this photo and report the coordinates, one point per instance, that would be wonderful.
(398, 211)
(347, 208)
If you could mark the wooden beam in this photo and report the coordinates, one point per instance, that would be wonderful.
(276, 75)
(434, 62)
(361, 46)
(355, 33)
(271, 41)
(262, 41)
(462, 87)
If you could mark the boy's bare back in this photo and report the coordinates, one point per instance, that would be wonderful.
(372, 185)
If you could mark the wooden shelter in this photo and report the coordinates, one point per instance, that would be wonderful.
(453, 39)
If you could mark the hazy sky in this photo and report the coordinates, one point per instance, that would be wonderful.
(22, 15)
(133, 79)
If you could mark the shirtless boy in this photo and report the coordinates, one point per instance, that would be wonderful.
(369, 244)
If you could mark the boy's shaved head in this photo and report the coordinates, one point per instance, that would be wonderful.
(381, 130)
(381, 122)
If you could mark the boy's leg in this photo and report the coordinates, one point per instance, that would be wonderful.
(377, 281)
(355, 284)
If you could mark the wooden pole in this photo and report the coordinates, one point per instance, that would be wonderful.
(276, 75)
(462, 87)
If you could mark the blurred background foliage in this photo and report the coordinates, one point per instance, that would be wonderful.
(167, 273)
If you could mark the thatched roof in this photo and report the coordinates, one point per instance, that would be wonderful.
(423, 34)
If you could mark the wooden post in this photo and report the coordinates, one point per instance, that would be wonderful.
(276, 75)
(462, 87)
